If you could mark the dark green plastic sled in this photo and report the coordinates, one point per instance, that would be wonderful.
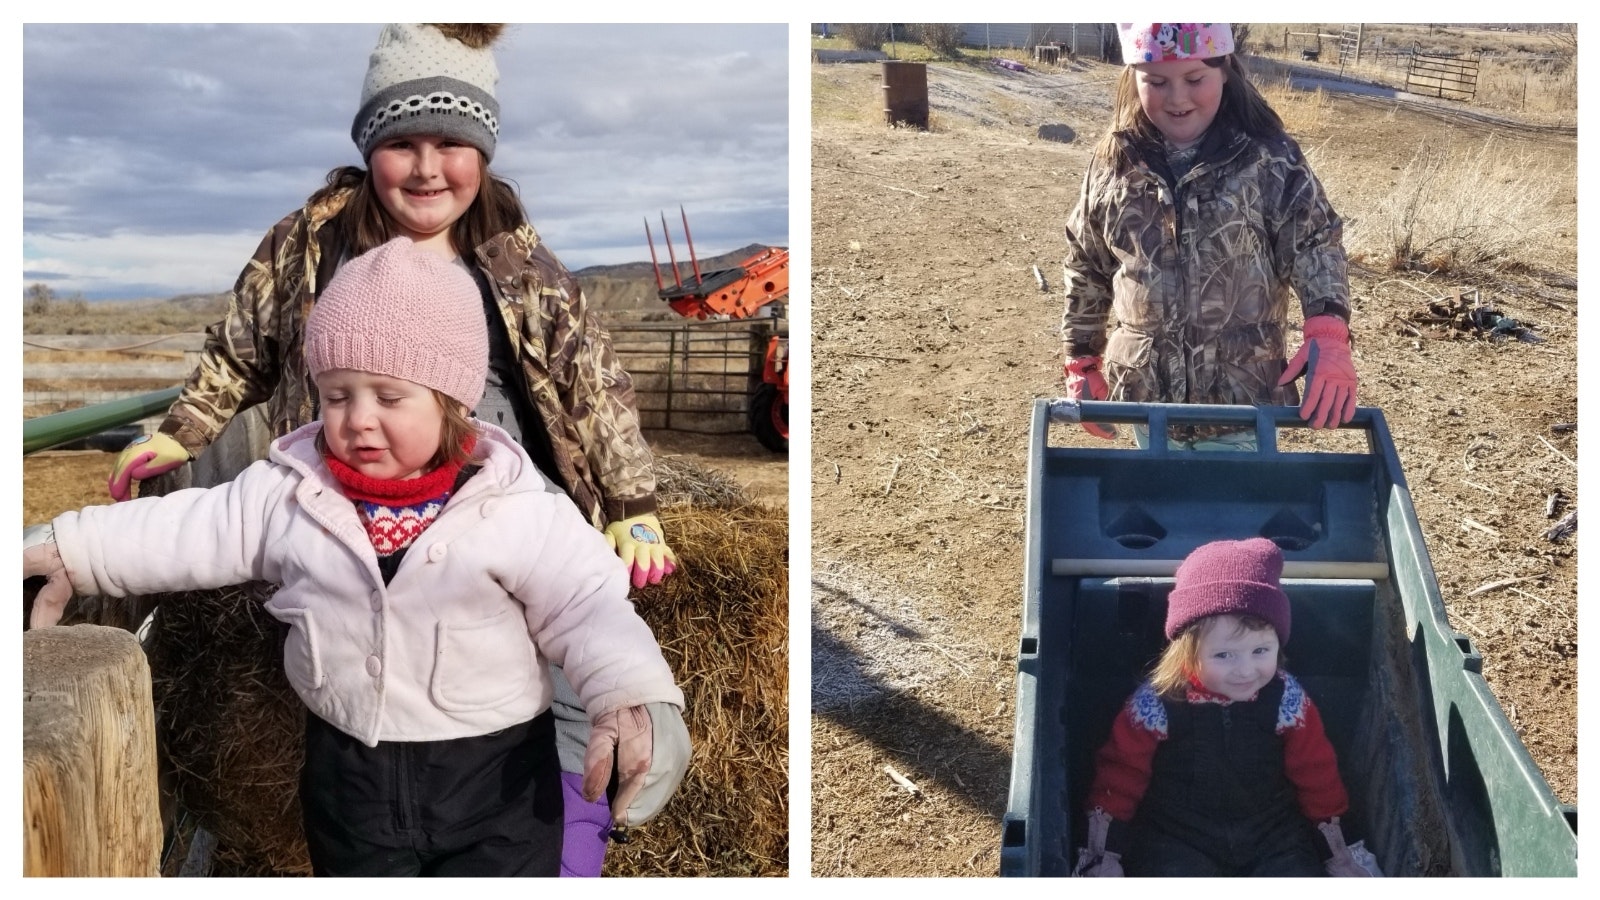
(1439, 782)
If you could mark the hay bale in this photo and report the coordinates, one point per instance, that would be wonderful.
(231, 727)
(229, 724)
(684, 482)
(722, 622)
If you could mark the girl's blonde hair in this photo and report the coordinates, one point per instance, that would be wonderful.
(1242, 109)
(1181, 660)
(456, 428)
(363, 224)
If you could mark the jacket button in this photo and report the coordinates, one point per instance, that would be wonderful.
(374, 666)
(377, 601)
(488, 508)
(436, 552)
(493, 251)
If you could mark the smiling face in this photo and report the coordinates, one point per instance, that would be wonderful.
(383, 427)
(1181, 97)
(426, 183)
(1233, 660)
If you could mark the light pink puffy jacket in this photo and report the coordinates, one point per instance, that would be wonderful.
(510, 575)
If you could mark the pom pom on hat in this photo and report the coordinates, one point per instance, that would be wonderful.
(430, 79)
(1238, 577)
(1164, 42)
(404, 312)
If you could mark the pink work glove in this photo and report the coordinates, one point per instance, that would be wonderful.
(642, 544)
(51, 601)
(1324, 358)
(1095, 861)
(1348, 860)
(1084, 372)
(144, 457)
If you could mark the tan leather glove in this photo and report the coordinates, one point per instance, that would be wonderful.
(649, 747)
(45, 559)
(642, 544)
(144, 457)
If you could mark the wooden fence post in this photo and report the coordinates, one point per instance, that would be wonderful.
(91, 804)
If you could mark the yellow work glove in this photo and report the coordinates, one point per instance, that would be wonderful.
(643, 547)
(144, 457)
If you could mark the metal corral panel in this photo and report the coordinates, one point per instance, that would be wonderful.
(1083, 38)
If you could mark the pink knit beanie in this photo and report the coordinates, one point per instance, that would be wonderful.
(403, 312)
(1167, 41)
(1238, 577)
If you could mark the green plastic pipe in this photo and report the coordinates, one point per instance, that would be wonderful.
(45, 432)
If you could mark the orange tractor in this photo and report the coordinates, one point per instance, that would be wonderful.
(754, 288)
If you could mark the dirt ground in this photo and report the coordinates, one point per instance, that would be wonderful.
(931, 339)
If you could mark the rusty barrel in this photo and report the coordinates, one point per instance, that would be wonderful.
(905, 94)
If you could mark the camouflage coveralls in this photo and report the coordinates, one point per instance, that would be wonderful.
(583, 397)
(1198, 272)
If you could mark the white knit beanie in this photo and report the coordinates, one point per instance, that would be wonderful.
(430, 79)
(404, 312)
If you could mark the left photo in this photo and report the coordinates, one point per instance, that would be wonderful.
(405, 471)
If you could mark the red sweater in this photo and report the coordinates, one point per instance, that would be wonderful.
(1123, 764)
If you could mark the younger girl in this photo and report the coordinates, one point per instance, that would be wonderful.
(1218, 764)
(1197, 216)
(430, 574)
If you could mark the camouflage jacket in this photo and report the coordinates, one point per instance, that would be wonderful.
(582, 395)
(1198, 273)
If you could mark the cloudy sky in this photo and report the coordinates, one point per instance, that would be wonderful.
(156, 156)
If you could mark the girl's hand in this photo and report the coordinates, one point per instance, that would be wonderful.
(1331, 381)
(144, 457)
(1083, 376)
(51, 601)
(1348, 860)
(649, 747)
(1095, 861)
(642, 545)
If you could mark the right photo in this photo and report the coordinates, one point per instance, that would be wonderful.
(1194, 450)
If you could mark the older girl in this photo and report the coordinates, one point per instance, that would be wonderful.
(1198, 217)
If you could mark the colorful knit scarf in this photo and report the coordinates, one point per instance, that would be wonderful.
(396, 511)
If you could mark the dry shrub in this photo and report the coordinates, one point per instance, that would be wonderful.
(231, 729)
(865, 35)
(943, 38)
(1450, 210)
(1543, 88)
(722, 621)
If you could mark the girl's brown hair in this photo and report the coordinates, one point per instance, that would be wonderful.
(363, 224)
(1181, 660)
(1242, 109)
